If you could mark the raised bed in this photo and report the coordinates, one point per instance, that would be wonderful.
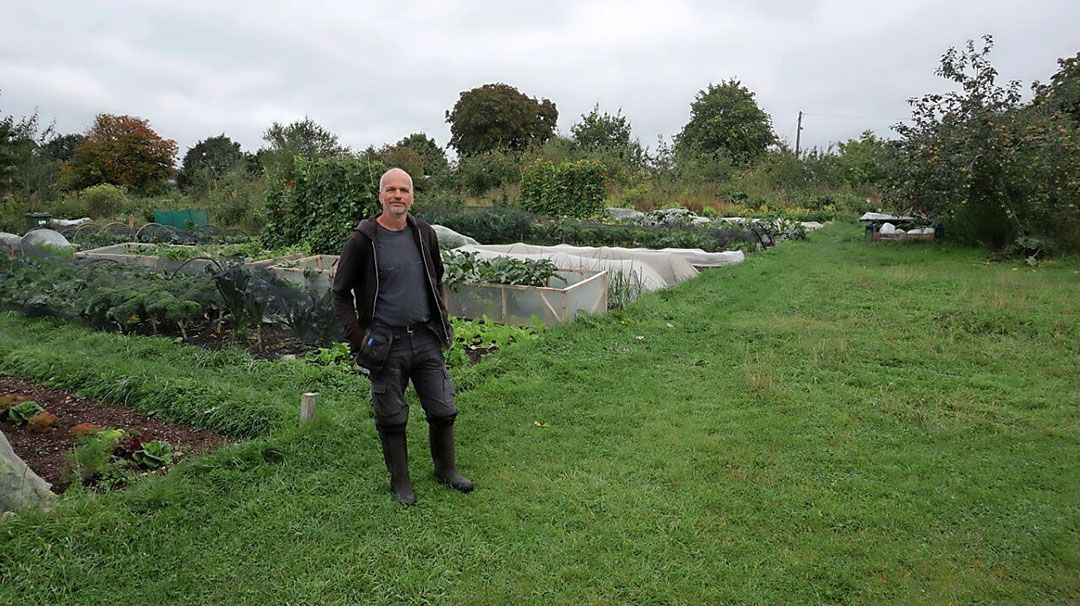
(131, 254)
(584, 291)
(316, 271)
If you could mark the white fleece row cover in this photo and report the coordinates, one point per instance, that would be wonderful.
(652, 268)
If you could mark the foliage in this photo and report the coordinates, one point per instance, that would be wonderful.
(486, 170)
(43, 422)
(243, 294)
(464, 267)
(303, 138)
(22, 412)
(582, 233)
(987, 166)
(499, 117)
(103, 201)
(24, 168)
(82, 430)
(865, 161)
(320, 208)
(335, 354)
(473, 338)
(123, 151)
(726, 117)
(154, 454)
(207, 161)
(569, 189)
(92, 455)
(106, 294)
(308, 312)
(420, 156)
(237, 198)
(597, 132)
(486, 225)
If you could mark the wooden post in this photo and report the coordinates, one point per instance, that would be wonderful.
(307, 406)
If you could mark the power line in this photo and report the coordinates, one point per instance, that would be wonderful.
(848, 116)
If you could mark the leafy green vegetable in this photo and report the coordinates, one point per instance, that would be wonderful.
(154, 454)
(22, 413)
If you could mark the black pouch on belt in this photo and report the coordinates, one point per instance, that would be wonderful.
(375, 348)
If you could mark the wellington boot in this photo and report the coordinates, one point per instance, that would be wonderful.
(396, 453)
(442, 454)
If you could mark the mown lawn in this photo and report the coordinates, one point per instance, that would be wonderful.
(829, 422)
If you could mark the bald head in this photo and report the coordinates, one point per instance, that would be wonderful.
(394, 173)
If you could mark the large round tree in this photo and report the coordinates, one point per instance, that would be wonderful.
(499, 117)
(122, 150)
(725, 118)
(207, 160)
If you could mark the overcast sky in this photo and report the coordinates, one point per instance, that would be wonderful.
(373, 72)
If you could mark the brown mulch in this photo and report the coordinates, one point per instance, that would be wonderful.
(47, 453)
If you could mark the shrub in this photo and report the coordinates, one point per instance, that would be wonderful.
(486, 225)
(568, 189)
(580, 233)
(488, 170)
(103, 200)
(324, 202)
(238, 199)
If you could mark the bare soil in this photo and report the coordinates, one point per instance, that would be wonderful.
(47, 453)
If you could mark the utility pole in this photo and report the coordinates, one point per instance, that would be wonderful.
(798, 134)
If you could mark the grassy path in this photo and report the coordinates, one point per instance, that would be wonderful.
(829, 422)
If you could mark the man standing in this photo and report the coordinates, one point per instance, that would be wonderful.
(390, 298)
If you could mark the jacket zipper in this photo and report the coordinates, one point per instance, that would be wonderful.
(375, 258)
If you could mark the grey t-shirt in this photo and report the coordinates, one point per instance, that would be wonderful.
(402, 298)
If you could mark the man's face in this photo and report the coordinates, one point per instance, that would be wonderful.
(396, 195)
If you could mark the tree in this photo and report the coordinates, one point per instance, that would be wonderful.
(863, 161)
(496, 117)
(607, 138)
(124, 151)
(432, 157)
(304, 138)
(601, 130)
(725, 118)
(208, 160)
(62, 147)
(992, 169)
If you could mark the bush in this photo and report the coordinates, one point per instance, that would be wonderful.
(328, 197)
(480, 173)
(568, 189)
(486, 225)
(70, 207)
(238, 199)
(580, 233)
(103, 201)
(13, 211)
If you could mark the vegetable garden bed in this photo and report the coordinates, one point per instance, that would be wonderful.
(47, 452)
(584, 291)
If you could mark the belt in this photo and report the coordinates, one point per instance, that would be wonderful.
(407, 330)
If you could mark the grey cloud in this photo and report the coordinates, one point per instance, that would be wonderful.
(376, 71)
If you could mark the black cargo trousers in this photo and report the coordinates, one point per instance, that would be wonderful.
(415, 355)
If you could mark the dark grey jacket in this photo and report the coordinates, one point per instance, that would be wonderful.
(357, 279)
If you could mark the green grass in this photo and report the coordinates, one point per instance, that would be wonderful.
(830, 422)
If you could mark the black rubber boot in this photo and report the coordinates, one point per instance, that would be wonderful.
(396, 453)
(441, 434)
